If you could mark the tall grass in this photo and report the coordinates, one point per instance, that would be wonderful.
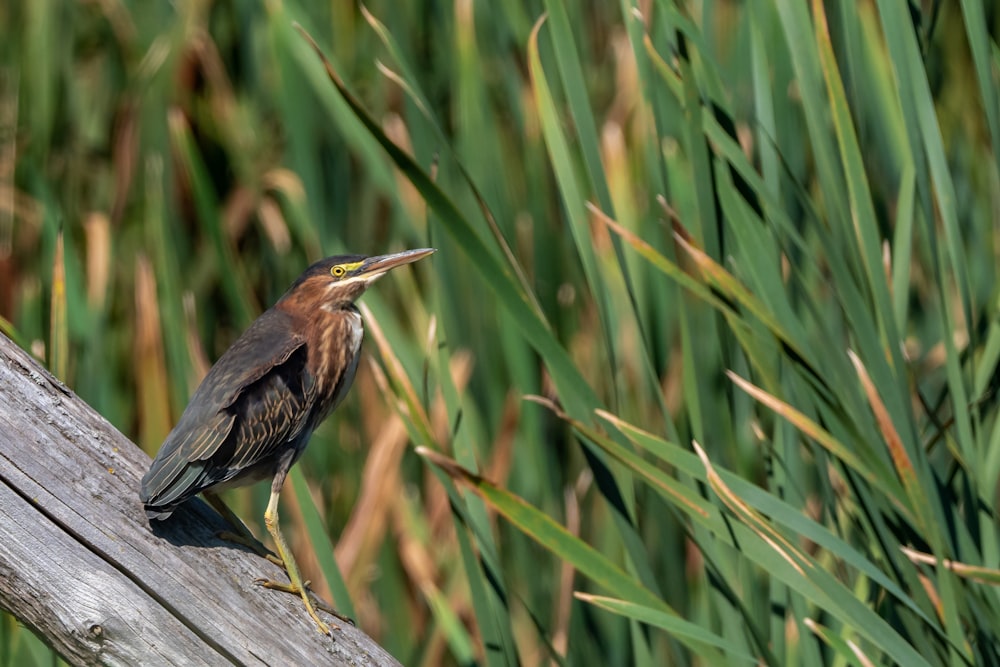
(702, 373)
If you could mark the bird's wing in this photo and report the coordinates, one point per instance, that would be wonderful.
(253, 395)
(269, 413)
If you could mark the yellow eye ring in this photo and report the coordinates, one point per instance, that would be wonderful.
(338, 271)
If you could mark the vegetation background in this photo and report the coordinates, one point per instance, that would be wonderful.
(710, 343)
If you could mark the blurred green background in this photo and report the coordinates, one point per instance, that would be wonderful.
(710, 342)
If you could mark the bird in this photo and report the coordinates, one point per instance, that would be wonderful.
(251, 417)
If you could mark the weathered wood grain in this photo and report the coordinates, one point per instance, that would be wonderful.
(80, 565)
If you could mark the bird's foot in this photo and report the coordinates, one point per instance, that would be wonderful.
(251, 543)
(242, 535)
(313, 600)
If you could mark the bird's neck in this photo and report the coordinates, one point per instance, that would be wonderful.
(334, 349)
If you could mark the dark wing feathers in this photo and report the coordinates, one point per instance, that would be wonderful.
(270, 413)
(260, 385)
(181, 462)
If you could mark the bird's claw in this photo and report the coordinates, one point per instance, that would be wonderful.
(317, 602)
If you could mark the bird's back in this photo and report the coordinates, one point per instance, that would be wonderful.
(260, 400)
(254, 399)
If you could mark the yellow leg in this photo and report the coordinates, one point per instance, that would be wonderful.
(296, 586)
(242, 536)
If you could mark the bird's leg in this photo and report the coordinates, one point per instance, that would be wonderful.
(245, 538)
(295, 586)
(242, 536)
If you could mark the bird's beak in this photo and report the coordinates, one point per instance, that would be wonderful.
(375, 267)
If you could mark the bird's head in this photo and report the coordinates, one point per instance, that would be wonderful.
(343, 278)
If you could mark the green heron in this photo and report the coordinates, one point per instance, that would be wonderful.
(252, 415)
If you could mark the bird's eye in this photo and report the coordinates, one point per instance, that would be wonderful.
(338, 271)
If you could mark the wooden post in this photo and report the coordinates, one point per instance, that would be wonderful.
(80, 565)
